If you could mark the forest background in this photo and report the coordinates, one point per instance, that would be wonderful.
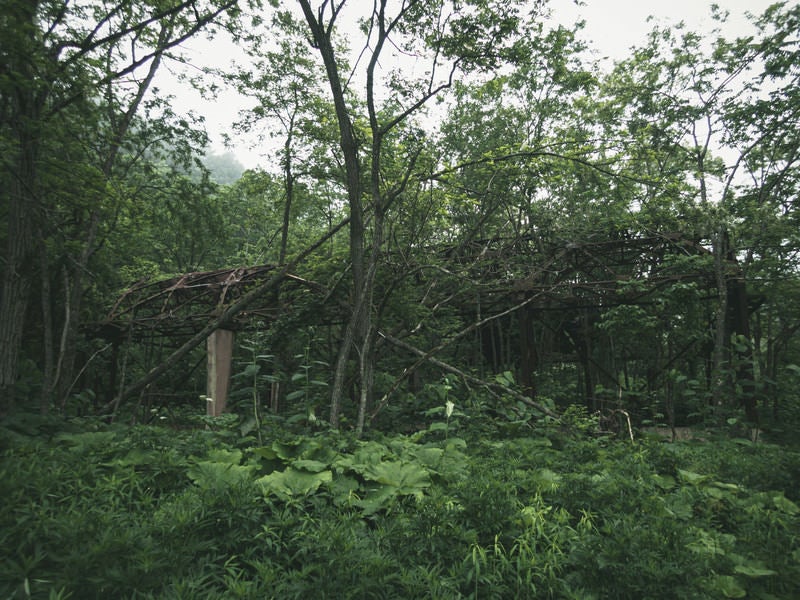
(466, 223)
(462, 233)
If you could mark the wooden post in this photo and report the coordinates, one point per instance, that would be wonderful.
(220, 350)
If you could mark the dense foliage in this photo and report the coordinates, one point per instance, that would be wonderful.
(453, 511)
(514, 215)
(487, 273)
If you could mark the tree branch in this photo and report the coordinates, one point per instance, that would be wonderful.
(425, 357)
(428, 357)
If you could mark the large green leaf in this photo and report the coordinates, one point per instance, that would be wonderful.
(378, 497)
(429, 456)
(753, 571)
(406, 477)
(368, 454)
(692, 478)
(782, 503)
(231, 457)
(729, 587)
(88, 440)
(344, 490)
(293, 482)
(312, 466)
(218, 476)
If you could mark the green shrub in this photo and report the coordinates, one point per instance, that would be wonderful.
(96, 511)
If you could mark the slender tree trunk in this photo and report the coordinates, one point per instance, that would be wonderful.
(16, 282)
(367, 368)
(289, 190)
(48, 370)
(746, 374)
(347, 140)
(720, 378)
(528, 354)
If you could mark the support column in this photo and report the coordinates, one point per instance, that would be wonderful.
(220, 349)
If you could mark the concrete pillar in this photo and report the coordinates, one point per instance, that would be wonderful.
(220, 350)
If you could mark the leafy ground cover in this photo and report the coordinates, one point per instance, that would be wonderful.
(95, 511)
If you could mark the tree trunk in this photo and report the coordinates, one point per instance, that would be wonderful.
(48, 369)
(740, 325)
(289, 191)
(528, 354)
(354, 330)
(720, 377)
(16, 280)
(24, 105)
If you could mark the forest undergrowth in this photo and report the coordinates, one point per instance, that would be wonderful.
(451, 511)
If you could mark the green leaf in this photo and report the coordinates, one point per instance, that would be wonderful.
(708, 543)
(456, 443)
(729, 587)
(429, 456)
(218, 476)
(753, 571)
(293, 449)
(87, 440)
(793, 368)
(312, 466)
(547, 480)
(252, 369)
(371, 452)
(343, 489)
(665, 482)
(231, 457)
(268, 459)
(782, 503)
(692, 478)
(680, 508)
(726, 486)
(136, 457)
(292, 482)
(408, 478)
(377, 498)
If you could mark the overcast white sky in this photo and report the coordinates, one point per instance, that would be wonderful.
(612, 26)
(616, 25)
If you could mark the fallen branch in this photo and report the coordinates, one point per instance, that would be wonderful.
(467, 377)
(427, 357)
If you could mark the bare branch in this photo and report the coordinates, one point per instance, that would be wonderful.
(426, 357)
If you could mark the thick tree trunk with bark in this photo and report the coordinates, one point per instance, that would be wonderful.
(17, 275)
(20, 256)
